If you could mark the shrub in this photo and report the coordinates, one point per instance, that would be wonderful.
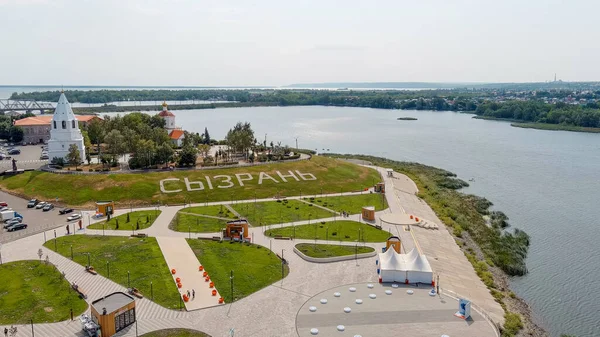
(79, 169)
(512, 324)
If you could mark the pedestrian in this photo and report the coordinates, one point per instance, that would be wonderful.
(5, 332)
(188, 293)
(193, 293)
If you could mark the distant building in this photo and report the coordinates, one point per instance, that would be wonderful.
(37, 129)
(175, 133)
(64, 131)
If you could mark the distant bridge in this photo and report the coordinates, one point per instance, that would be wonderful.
(7, 105)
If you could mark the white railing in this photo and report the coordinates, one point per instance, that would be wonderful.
(475, 307)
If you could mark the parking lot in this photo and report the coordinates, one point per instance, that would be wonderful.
(36, 219)
(28, 159)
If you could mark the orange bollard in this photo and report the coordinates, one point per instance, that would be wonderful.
(205, 274)
(416, 219)
(206, 279)
(201, 268)
(178, 280)
(411, 216)
(185, 298)
(179, 285)
(221, 300)
(214, 293)
(211, 285)
(173, 271)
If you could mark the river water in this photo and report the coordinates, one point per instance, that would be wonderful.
(547, 182)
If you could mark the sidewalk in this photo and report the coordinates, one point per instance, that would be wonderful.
(179, 256)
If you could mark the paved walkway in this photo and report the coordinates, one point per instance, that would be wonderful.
(179, 256)
(271, 311)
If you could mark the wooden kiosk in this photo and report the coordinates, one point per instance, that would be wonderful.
(105, 207)
(368, 213)
(113, 313)
(393, 241)
(237, 230)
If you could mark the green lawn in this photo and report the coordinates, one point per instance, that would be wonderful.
(176, 333)
(331, 176)
(144, 218)
(322, 251)
(35, 290)
(254, 266)
(196, 224)
(352, 204)
(141, 257)
(342, 230)
(272, 212)
(214, 210)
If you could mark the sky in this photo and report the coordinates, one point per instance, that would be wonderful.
(280, 42)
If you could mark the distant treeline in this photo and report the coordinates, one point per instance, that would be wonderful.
(425, 100)
(539, 112)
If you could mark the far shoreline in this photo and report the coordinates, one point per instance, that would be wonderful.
(540, 126)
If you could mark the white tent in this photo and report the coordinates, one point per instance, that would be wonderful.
(396, 267)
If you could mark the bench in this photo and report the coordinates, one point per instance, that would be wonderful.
(91, 270)
(279, 237)
(80, 291)
(216, 238)
(139, 235)
(135, 292)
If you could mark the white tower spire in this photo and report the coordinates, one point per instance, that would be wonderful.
(64, 131)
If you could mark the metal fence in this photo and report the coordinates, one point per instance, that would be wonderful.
(475, 307)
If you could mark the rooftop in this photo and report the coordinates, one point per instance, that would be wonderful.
(46, 119)
(112, 302)
(176, 134)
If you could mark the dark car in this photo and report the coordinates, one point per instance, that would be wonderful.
(16, 227)
(32, 203)
(3, 203)
(48, 207)
(65, 211)
(14, 151)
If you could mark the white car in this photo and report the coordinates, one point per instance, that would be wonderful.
(74, 217)
(40, 205)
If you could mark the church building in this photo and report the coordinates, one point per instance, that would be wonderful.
(64, 131)
(175, 133)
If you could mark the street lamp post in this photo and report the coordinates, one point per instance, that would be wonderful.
(55, 240)
(71, 252)
(128, 280)
(231, 281)
(89, 263)
(282, 265)
(108, 269)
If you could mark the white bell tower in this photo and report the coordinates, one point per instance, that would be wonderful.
(64, 131)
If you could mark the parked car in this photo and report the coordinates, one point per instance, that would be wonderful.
(14, 151)
(40, 205)
(65, 211)
(48, 207)
(44, 156)
(3, 203)
(74, 217)
(16, 227)
(5, 208)
(12, 222)
(32, 203)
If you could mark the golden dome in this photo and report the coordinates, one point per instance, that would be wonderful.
(164, 104)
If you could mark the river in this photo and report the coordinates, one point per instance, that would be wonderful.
(545, 181)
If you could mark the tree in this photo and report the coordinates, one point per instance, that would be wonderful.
(115, 142)
(206, 136)
(204, 149)
(95, 130)
(164, 152)
(188, 156)
(74, 157)
(16, 134)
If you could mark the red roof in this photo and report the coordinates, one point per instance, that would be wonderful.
(46, 119)
(166, 113)
(176, 134)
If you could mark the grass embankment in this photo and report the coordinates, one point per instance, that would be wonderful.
(280, 211)
(323, 251)
(331, 177)
(485, 246)
(254, 267)
(36, 290)
(137, 220)
(185, 220)
(352, 204)
(555, 127)
(141, 257)
(176, 333)
(343, 230)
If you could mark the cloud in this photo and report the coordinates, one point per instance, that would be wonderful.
(337, 47)
(22, 2)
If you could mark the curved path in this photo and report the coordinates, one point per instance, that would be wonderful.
(272, 310)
